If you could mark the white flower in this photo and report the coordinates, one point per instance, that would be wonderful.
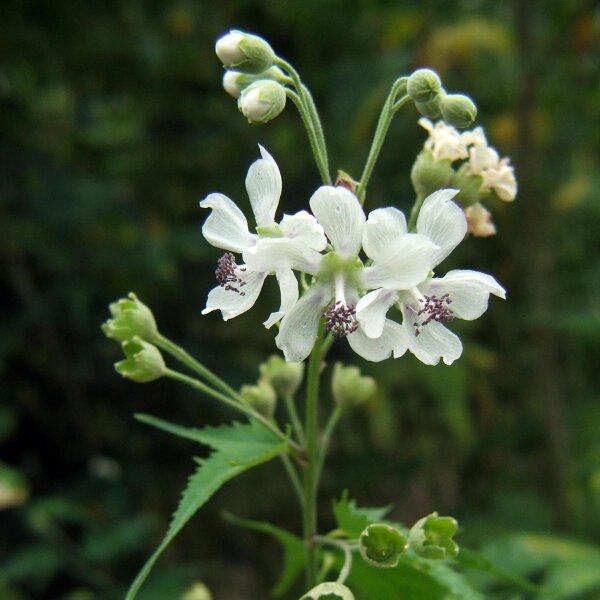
(444, 141)
(427, 305)
(226, 227)
(340, 274)
(497, 174)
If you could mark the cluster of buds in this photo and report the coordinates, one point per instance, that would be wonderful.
(251, 76)
(465, 161)
(425, 89)
(133, 325)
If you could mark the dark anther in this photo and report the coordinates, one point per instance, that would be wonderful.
(226, 275)
(436, 309)
(340, 319)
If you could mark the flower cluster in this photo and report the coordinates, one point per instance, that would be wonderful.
(483, 172)
(359, 268)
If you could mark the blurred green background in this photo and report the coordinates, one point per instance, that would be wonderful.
(113, 125)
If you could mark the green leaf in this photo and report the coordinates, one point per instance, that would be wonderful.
(237, 448)
(293, 551)
(351, 519)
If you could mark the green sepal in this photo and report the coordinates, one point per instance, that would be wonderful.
(349, 388)
(428, 175)
(431, 537)
(469, 185)
(143, 361)
(382, 545)
(130, 318)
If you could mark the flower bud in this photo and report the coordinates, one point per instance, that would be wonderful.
(262, 101)
(479, 221)
(285, 377)
(329, 590)
(428, 175)
(344, 180)
(130, 318)
(349, 387)
(261, 397)
(234, 81)
(381, 545)
(244, 52)
(143, 362)
(423, 85)
(198, 591)
(469, 184)
(431, 537)
(458, 110)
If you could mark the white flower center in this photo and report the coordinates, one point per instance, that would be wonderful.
(340, 317)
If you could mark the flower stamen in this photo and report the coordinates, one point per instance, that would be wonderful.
(226, 274)
(436, 309)
(340, 319)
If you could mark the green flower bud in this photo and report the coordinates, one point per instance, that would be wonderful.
(469, 185)
(428, 175)
(381, 545)
(143, 362)
(198, 591)
(349, 387)
(431, 537)
(244, 52)
(261, 397)
(234, 81)
(330, 590)
(262, 101)
(130, 318)
(423, 85)
(458, 110)
(285, 377)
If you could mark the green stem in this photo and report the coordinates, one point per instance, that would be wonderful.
(310, 473)
(294, 418)
(238, 406)
(312, 109)
(326, 438)
(180, 354)
(414, 213)
(347, 547)
(294, 478)
(385, 118)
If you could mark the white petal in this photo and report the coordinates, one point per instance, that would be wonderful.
(393, 341)
(263, 184)
(433, 343)
(232, 303)
(469, 292)
(443, 222)
(298, 330)
(404, 264)
(382, 228)
(341, 215)
(372, 309)
(304, 228)
(273, 254)
(226, 226)
(288, 287)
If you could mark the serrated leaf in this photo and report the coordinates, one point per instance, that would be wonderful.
(237, 448)
(351, 519)
(293, 551)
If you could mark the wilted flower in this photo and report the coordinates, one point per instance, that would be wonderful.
(479, 220)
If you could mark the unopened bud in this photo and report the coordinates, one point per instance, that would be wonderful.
(431, 537)
(198, 591)
(479, 221)
(349, 387)
(261, 397)
(244, 52)
(329, 590)
(130, 318)
(143, 362)
(423, 85)
(381, 545)
(458, 110)
(235, 82)
(428, 175)
(285, 377)
(262, 101)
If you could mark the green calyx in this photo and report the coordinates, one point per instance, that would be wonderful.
(261, 397)
(285, 377)
(258, 54)
(349, 387)
(333, 265)
(458, 110)
(262, 101)
(428, 175)
(423, 85)
(143, 361)
(130, 318)
(431, 537)
(469, 185)
(382, 545)
(269, 231)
